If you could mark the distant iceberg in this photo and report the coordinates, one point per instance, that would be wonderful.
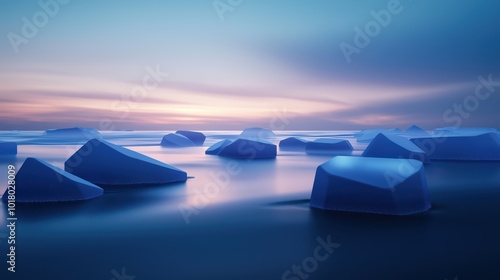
(217, 147)
(368, 135)
(329, 146)
(393, 146)
(470, 147)
(106, 164)
(463, 131)
(38, 181)
(197, 138)
(73, 133)
(293, 144)
(8, 148)
(173, 140)
(249, 149)
(372, 185)
(414, 129)
(257, 133)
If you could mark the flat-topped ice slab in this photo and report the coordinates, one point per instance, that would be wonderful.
(293, 144)
(217, 147)
(371, 185)
(173, 140)
(249, 149)
(393, 146)
(197, 138)
(257, 133)
(461, 131)
(471, 147)
(8, 148)
(73, 133)
(329, 146)
(106, 164)
(38, 181)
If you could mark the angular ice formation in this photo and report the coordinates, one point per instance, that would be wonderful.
(197, 138)
(482, 146)
(73, 133)
(106, 164)
(372, 185)
(217, 147)
(38, 181)
(414, 129)
(257, 133)
(369, 134)
(329, 146)
(8, 148)
(293, 144)
(173, 140)
(249, 149)
(393, 146)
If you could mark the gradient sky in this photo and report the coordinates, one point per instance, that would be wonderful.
(265, 60)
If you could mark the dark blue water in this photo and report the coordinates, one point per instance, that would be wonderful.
(255, 224)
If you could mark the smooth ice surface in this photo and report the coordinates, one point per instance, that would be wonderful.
(257, 133)
(329, 146)
(249, 149)
(8, 148)
(483, 146)
(38, 181)
(105, 164)
(173, 140)
(197, 138)
(293, 144)
(261, 210)
(371, 185)
(217, 147)
(456, 131)
(393, 146)
(73, 133)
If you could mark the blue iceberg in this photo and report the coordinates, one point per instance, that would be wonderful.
(329, 146)
(38, 181)
(197, 138)
(415, 129)
(293, 144)
(8, 148)
(479, 147)
(257, 133)
(249, 149)
(393, 146)
(73, 133)
(217, 147)
(173, 140)
(106, 164)
(366, 136)
(371, 185)
(455, 131)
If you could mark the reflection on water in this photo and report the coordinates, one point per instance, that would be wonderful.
(253, 224)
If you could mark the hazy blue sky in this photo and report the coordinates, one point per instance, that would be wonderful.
(233, 65)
